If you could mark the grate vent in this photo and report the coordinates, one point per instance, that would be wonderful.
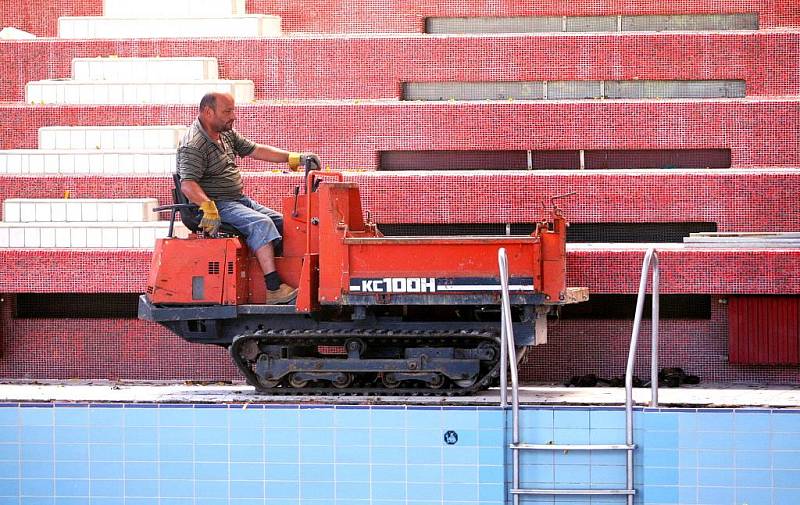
(230, 268)
(213, 267)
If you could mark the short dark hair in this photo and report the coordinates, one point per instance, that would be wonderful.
(208, 100)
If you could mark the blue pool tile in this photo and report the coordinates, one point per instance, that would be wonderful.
(353, 455)
(246, 453)
(424, 418)
(354, 490)
(68, 416)
(660, 476)
(35, 500)
(463, 492)
(660, 440)
(460, 419)
(537, 458)
(9, 487)
(64, 500)
(491, 493)
(316, 491)
(316, 418)
(141, 452)
(660, 421)
(661, 495)
(316, 472)
(242, 471)
(211, 471)
(315, 454)
(687, 495)
(346, 417)
(424, 437)
(753, 459)
(106, 416)
(754, 495)
(606, 436)
(715, 440)
(282, 454)
(537, 418)
(459, 474)
(72, 470)
(245, 420)
(9, 435)
(716, 459)
(786, 479)
(785, 460)
(786, 422)
(687, 421)
(107, 488)
(715, 477)
(715, 495)
(360, 473)
(9, 469)
(211, 417)
(140, 417)
(317, 436)
(282, 436)
(687, 476)
(106, 435)
(106, 452)
(607, 419)
(36, 452)
(753, 478)
(572, 457)
(281, 418)
(37, 469)
(176, 415)
(72, 487)
(9, 416)
(570, 436)
(688, 458)
(181, 470)
(388, 437)
(71, 434)
(242, 489)
(36, 416)
(207, 434)
(490, 419)
(211, 453)
(714, 420)
(352, 436)
(106, 470)
(211, 488)
(107, 501)
(661, 458)
(173, 435)
(572, 474)
(397, 455)
(141, 488)
(490, 474)
(148, 470)
(608, 458)
(424, 473)
(568, 418)
(752, 441)
(536, 435)
(785, 496)
(36, 434)
(491, 438)
(386, 491)
(491, 455)
(786, 441)
(390, 418)
(455, 455)
(176, 452)
(176, 501)
(422, 491)
(36, 487)
(751, 421)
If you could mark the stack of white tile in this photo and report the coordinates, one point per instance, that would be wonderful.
(131, 81)
(97, 150)
(170, 19)
(82, 223)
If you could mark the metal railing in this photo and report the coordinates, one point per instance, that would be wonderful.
(508, 360)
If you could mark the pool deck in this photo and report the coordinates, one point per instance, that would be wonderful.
(709, 395)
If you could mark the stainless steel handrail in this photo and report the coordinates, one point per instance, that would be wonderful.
(508, 360)
(650, 257)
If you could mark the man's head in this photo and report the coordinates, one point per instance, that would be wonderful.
(217, 112)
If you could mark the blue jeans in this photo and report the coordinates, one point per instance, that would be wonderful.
(259, 224)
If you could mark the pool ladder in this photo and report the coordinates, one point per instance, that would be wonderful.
(508, 360)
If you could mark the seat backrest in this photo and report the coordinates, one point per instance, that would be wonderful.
(189, 216)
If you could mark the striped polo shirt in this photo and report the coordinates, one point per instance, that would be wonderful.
(212, 164)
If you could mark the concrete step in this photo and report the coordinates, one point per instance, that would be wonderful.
(89, 27)
(79, 210)
(33, 161)
(173, 8)
(65, 91)
(85, 235)
(110, 137)
(145, 69)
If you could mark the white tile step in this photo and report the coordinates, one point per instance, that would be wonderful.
(83, 235)
(34, 161)
(67, 91)
(111, 137)
(93, 27)
(144, 69)
(79, 210)
(173, 8)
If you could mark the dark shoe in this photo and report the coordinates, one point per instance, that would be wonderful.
(284, 294)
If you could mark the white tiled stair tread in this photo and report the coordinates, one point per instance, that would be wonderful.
(253, 25)
(173, 8)
(78, 210)
(34, 161)
(79, 235)
(66, 91)
(110, 137)
(144, 69)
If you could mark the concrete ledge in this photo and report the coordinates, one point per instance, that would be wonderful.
(110, 138)
(85, 235)
(168, 28)
(173, 8)
(145, 69)
(59, 91)
(43, 210)
(24, 161)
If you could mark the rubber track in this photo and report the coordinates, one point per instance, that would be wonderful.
(337, 338)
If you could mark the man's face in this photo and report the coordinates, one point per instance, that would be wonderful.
(221, 118)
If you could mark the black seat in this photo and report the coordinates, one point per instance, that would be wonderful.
(190, 213)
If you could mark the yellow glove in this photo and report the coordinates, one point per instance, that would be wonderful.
(211, 221)
(304, 159)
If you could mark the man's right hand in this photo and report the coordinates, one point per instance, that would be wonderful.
(211, 221)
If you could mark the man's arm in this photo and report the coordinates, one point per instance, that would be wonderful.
(269, 153)
(194, 192)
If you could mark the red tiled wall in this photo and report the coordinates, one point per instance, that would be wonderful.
(368, 67)
(753, 201)
(759, 132)
(40, 16)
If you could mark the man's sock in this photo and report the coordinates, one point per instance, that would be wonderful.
(273, 281)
